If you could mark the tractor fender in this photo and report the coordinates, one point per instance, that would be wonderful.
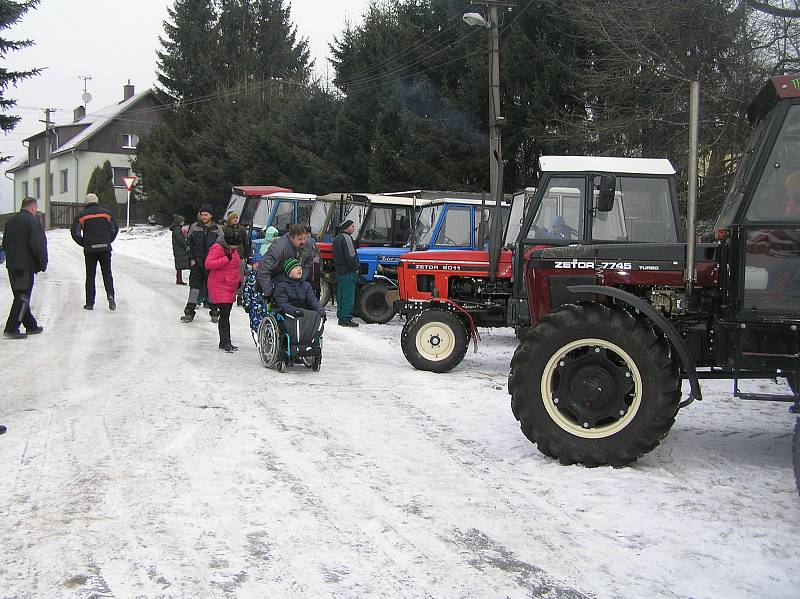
(386, 280)
(658, 321)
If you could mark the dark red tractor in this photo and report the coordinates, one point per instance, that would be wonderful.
(616, 327)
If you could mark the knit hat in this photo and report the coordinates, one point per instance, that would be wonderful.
(289, 264)
(91, 198)
(231, 215)
(206, 208)
(179, 220)
(345, 224)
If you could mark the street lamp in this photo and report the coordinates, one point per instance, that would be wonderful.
(474, 19)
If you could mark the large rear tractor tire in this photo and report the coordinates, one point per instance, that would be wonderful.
(434, 340)
(372, 305)
(594, 385)
(325, 292)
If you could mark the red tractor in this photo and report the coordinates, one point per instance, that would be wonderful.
(446, 295)
(617, 326)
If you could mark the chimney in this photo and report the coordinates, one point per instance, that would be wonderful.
(127, 91)
(78, 113)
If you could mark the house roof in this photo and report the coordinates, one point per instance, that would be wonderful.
(99, 120)
(94, 123)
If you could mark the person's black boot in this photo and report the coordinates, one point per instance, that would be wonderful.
(112, 305)
(14, 335)
(2, 428)
(188, 313)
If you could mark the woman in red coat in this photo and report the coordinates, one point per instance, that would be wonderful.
(224, 277)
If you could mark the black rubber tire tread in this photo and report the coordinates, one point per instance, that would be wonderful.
(796, 453)
(408, 340)
(366, 295)
(325, 293)
(660, 382)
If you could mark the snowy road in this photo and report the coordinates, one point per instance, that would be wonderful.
(141, 461)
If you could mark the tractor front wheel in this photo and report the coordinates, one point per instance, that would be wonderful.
(325, 292)
(594, 385)
(372, 305)
(434, 340)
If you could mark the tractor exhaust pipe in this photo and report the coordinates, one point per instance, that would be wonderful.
(689, 277)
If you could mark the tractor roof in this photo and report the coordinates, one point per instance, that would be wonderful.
(292, 196)
(258, 190)
(606, 164)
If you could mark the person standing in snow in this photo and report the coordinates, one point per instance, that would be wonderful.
(25, 245)
(94, 229)
(179, 249)
(346, 263)
(242, 241)
(202, 235)
(224, 276)
(253, 300)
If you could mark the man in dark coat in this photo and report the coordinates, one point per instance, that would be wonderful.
(202, 235)
(25, 245)
(294, 244)
(179, 249)
(346, 263)
(94, 228)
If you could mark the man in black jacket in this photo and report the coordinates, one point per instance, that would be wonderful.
(25, 245)
(202, 235)
(94, 228)
(347, 266)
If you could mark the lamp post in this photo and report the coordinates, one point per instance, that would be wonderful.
(496, 121)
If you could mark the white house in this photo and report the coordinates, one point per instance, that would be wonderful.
(111, 133)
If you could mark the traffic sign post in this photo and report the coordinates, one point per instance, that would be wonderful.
(129, 183)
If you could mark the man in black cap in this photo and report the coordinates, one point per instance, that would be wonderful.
(202, 235)
(346, 263)
(25, 245)
(94, 228)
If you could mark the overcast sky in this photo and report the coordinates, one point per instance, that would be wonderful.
(113, 41)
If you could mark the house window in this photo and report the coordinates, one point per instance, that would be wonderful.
(64, 181)
(130, 140)
(53, 141)
(24, 189)
(120, 172)
(37, 153)
(37, 188)
(50, 188)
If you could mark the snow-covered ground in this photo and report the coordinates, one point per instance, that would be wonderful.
(141, 461)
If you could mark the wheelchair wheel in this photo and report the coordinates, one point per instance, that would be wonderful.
(269, 341)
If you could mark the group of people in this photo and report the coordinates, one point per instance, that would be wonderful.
(287, 274)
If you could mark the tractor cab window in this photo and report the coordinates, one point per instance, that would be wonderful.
(284, 216)
(263, 208)
(236, 204)
(559, 216)
(777, 197)
(456, 229)
(378, 227)
(426, 223)
(304, 211)
(320, 217)
(402, 226)
(642, 212)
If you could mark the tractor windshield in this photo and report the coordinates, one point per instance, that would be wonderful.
(426, 224)
(354, 211)
(559, 215)
(262, 211)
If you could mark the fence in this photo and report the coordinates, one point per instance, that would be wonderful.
(63, 213)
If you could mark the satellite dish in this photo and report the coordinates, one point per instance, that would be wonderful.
(86, 97)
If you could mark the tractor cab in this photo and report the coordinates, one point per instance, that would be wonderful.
(281, 210)
(455, 224)
(245, 199)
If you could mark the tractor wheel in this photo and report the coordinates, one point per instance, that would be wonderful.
(434, 340)
(594, 385)
(325, 292)
(372, 305)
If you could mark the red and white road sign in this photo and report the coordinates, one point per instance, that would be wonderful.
(129, 181)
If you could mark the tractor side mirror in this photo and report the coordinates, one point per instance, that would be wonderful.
(605, 193)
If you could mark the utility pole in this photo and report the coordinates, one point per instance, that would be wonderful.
(47, 219)
(496, 121)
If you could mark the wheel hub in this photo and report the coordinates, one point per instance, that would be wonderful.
(435, 341)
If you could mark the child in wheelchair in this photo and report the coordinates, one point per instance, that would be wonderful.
(291, 330)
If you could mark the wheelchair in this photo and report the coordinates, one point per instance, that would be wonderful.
(276, 348)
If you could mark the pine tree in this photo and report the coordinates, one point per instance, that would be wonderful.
(187, 63)
(10, 14)
(101, 183)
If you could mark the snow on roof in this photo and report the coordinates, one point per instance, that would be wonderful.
(636, 166)
(98, 121)
(20, 163)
